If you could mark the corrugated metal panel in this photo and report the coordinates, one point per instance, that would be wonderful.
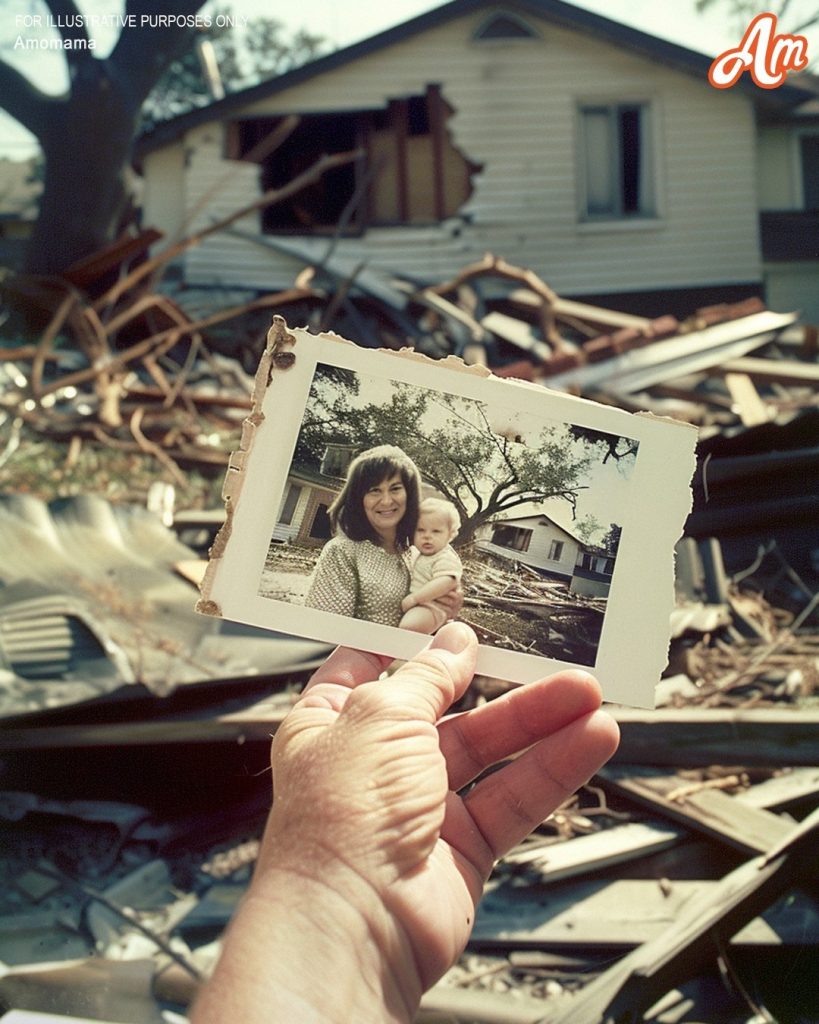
(88, 592)
(45, 635)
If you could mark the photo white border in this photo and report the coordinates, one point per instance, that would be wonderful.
(633, 646)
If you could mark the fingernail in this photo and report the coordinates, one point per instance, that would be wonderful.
(454, 637)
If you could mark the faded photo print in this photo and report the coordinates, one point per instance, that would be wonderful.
(406, 506)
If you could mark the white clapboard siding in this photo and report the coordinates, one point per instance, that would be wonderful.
(515, 113)
(538, 552)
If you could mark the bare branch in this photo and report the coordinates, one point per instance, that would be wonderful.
(71, 26)
(807, 23)
(25, 102)
(144, 51)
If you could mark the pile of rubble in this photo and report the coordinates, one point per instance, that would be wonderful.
(650, 897)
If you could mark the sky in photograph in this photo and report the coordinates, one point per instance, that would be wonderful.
(344, 23)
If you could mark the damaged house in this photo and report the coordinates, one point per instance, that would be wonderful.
(304, 514)
(541, 543)
(593, 153)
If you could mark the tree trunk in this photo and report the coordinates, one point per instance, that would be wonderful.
(87, 152)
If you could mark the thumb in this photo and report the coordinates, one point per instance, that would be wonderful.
(434, 679)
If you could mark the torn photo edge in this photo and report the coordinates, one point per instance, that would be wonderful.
(633, 648)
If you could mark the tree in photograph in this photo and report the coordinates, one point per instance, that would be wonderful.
(483, 473)
(587, 527)
(611, 542)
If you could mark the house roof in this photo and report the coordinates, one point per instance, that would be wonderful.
(558, 12)
(310, 475)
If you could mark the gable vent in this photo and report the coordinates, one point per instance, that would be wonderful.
(505, 26)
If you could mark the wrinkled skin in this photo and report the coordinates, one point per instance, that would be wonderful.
(371, 817)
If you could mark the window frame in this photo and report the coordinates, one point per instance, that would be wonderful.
(649, 214)
(521, 533)
(290, 504)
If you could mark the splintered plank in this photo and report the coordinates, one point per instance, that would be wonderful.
(752, 410)
(746, 828)
(783, 371)
(780, 791)
(604, 849)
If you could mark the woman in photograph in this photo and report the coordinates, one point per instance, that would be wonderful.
(364, 571)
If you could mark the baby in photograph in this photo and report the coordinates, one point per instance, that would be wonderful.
(436, 569)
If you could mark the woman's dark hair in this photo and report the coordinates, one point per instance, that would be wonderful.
(367, 470)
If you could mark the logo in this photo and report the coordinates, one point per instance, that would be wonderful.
(768, 57)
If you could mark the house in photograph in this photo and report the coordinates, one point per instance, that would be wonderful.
(593, 572)
(534, 540)
(303, 517)
(593, 153)
(538, 541)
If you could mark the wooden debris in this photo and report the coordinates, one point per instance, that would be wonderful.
(703, 808)
(694, 788)
(643, 976)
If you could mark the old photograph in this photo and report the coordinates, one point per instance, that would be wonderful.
(379, 495)
(407, 507)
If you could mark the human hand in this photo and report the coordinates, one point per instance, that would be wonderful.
(407, 603)
(453, 601)
(373, 861)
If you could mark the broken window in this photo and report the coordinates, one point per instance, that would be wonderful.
(616, 159)
(337, 458)
(515, 537)
(556, 550)
(410, 171)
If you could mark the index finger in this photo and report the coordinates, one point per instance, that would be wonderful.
(482, 737)
(345, 669)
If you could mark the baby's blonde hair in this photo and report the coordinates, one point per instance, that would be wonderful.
(446, 507)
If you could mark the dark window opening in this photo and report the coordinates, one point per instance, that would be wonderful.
(417, 116)
(630, 157)
(514, 537)
(321, 203)
(616, 159)
(321, 528)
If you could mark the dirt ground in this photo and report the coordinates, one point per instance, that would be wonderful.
(569, 636)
